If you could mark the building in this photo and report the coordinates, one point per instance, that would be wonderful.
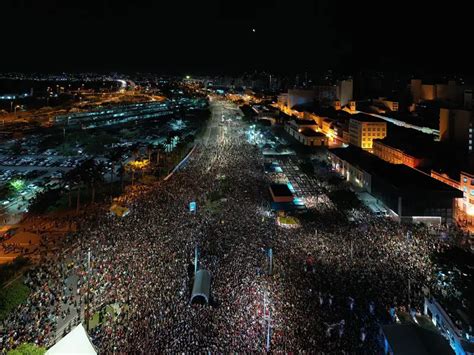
(386, 151)
(405, 146)
(410, 194)
(342, 92)
(413, 339)
(364, 128)
(464, 182)
(451, 92)
(305, 132)
(456, 126)
(384, 104)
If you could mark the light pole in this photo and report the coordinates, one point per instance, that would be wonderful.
(196, 259)
(270, 261)
(267, 319)
(88, 287)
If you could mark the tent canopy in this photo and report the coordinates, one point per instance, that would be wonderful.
(76, 342)
(201, 286)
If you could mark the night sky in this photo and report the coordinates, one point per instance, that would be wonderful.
(217, 36)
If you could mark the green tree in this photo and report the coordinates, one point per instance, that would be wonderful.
(12, 296)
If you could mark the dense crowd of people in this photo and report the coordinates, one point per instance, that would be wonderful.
(332, 284)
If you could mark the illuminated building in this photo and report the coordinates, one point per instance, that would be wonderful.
(393, 155)
(363, 129)
(451, 91)
(405, 146)
(410, 194)
(464, 182)
(304, 131)
(341, 92)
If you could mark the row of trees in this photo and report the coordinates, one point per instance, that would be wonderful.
(90, 174)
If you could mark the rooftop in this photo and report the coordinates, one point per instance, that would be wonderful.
(308, 132)
(363, 117)
(410, 339)
(281, 190)
(400, 176)
(409, 141)
(304, 122)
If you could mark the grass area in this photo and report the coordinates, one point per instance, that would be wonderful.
(27, 349)
(12, 296)
(288, 220)
(94, 322)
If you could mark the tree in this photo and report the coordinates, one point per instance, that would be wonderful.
(44, 200)
(169, 141)
(161, 148)
(92, 173)
(115, 155)
(27, 349)
(73, 178)
(121, 174)
(135, 151)
(149, 150)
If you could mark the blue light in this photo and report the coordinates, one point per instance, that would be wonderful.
(298, 202)
(290, 186)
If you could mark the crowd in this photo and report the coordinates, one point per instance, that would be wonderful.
(140, 264)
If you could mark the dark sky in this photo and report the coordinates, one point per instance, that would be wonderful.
(216, 36)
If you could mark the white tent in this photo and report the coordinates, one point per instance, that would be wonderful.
(76, 342)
